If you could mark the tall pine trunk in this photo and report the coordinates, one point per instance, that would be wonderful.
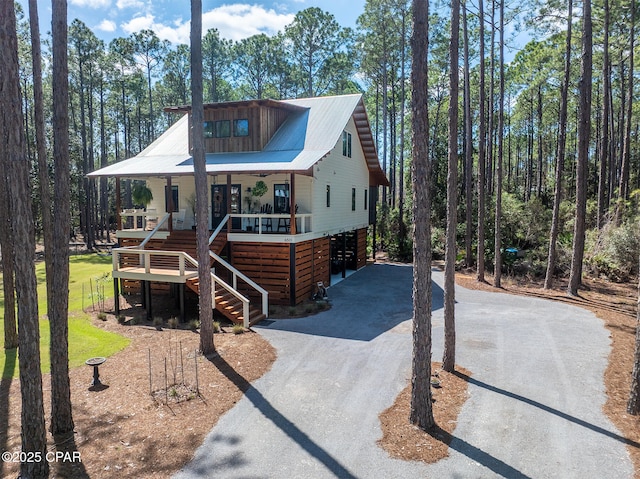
(605, 128)
(584, 129)
(497, 250)
(202, 231)
(61, 416)
(468, 146)
(481, 152)
(421, 413)
(451, 249)
(623, 187)
(14, 157)
(633, 405)
(560, 159)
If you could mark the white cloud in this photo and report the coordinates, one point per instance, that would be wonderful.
(233, 21)
(138, 23)
(238, 21)
(107, 26)
(91, 3)
(122, 4)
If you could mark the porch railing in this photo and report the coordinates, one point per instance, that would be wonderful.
(137, 216)
(279, 221)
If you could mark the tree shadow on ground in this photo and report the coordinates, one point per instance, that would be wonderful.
(476, 454)
(67, 459)
(5, 385)
(284, 424)
(549, 409)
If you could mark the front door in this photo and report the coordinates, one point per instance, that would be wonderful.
(220, 201)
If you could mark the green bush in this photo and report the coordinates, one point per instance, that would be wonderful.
(613, 251)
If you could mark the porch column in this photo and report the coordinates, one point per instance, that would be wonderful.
(229, 202)
(118, 205)
(292, 204)
(169, 193)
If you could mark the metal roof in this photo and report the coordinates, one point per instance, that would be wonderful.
(310, 132)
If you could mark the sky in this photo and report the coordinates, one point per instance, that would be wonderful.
(169, 19)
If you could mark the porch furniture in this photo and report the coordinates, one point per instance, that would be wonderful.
(285, 223)
(178, 220)
(267, 223)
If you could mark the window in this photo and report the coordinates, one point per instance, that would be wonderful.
(223, 129)
(281, 198)
(174, 198)
(346, 144)
(365, 199)
(353, 199)
(328, 196)
(208, 129)
(241, 127)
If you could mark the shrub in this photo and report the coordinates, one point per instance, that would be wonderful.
(173, 323)
(237, 329)
(217, 327)
(121, 318)
(612, 252)
(102, 316)
(194, 324)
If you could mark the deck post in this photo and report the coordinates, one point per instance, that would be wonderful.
(118, 205)
(228, 199)
(292, 274)
(116, 296)
(148, 295)
(143, 294)
(292, 205)
(181, 294)
(344, 255)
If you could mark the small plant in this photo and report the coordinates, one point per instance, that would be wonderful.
(121, 319)
(158, 322)
(133, 321)
(308, 309)
(237, 329)
(173, 392)
(194, 324)
(102, 316)
(217, 327)
(292, 311)
(173, 323)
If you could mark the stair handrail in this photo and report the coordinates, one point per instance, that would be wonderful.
(164, 219)
(221, 225)
(238, 274)
(228, 288)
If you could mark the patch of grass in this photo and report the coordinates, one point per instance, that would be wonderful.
(85, 340)
(173, 323)
(217, 327)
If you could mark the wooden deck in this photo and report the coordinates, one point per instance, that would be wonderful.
(165, 275)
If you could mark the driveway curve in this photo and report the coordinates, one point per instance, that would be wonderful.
(535, 396)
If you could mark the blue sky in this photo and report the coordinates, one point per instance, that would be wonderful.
(170, 18)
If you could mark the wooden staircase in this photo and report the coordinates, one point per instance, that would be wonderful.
(229, 305)
(225, 302)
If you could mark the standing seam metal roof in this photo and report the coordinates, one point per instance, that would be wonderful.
(310, 132)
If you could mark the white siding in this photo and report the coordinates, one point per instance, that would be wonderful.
(341, 174)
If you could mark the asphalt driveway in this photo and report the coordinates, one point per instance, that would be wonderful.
(535, 405)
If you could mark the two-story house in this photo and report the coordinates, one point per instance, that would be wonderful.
(314, 167)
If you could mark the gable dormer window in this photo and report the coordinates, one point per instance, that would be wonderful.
(241, 127)
(217, 129)
(222, 129)
(346, 144)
